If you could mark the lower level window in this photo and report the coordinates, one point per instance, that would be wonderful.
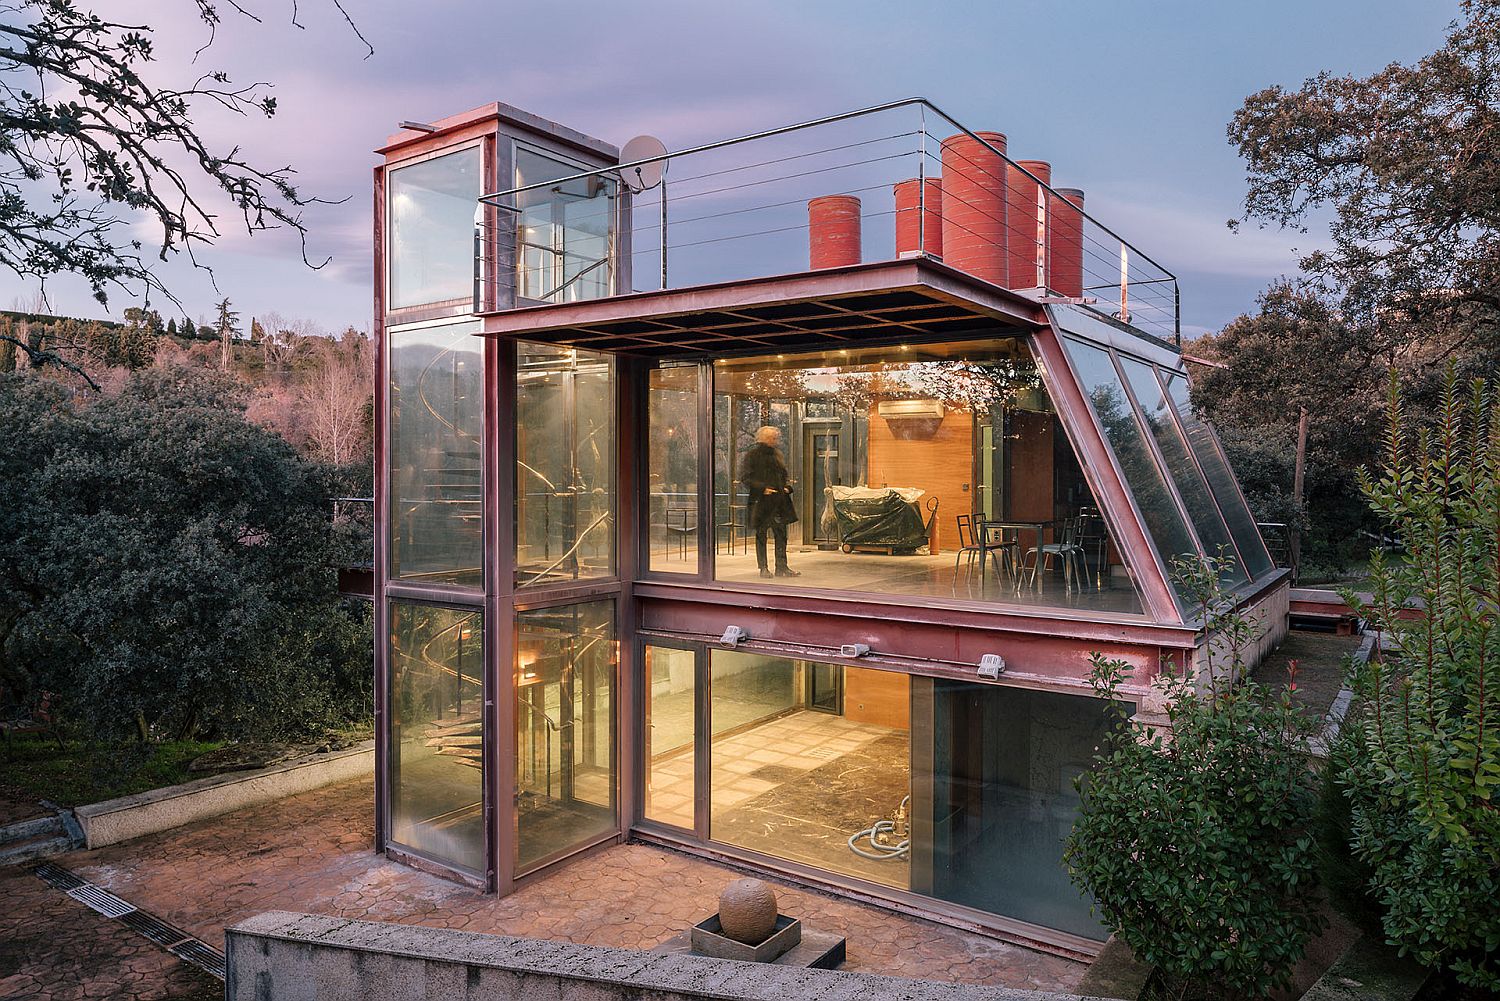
(959, 791)
(437, 733)
(566, 660)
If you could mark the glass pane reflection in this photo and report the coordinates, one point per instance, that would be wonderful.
(1147, 482)
(565, 727)
(1190, 484)
(437, 733)
(671, 706)
(432, 229)
(1221, 480)
(565, 464)
(436, 418)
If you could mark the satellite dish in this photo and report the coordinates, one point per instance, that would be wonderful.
(645, 176)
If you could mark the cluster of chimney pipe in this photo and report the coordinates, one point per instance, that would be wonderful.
(984, 216)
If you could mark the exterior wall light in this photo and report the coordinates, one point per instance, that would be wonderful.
(991, 665)
(854, 649)
(734, 636)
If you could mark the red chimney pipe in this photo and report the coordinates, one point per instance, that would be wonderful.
(833, 231)
(1027, 236)
(919, 220)
(974, 206)
(1067, 243)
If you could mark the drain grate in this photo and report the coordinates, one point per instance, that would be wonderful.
(203, 956)
(57, 876)
(176, 941)
(154, 928)
(103, 901)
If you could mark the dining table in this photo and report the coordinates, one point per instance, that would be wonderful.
(1002, 526)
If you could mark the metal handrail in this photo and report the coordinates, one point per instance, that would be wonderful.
(493, 198)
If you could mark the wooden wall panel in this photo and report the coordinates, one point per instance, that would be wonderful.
(1029, 474)
(879, 697)
(936, 457)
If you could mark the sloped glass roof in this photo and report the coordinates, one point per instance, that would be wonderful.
(1181, 489)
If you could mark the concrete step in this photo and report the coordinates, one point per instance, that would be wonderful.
(31, 849)
(25, 829)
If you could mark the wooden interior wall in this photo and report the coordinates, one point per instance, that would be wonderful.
(882, 698)
(1029, 473)
(935, 456)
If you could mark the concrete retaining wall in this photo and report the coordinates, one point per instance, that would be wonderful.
(129, 817)
(279, 956)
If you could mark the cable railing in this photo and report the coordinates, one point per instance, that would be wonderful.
(896, 181)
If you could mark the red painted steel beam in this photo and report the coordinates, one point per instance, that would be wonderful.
(917, 274)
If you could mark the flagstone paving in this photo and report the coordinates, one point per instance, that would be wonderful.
(314, 853)
(52, 948)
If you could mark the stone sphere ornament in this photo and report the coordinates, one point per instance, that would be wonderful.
(747, 911)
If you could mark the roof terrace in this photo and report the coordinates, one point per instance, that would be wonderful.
(893, 218)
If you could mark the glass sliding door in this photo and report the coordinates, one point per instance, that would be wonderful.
(670, 752)
(566, 660)
(994, 798)
(804, 757)
(959, 791)
(437, 733)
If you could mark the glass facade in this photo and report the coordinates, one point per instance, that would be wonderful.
(435, 420)
(565, 464)
(994, 798)
(1146, 480)
(1191, 486)
(1221, 480)
(672, 468)
(939, 470)
(565, 669)
(436, 736)
(430, 215)
(959, 791)
(670, 752)
(565, 233)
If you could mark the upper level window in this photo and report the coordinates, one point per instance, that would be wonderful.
(435, 421)
(565, 464)
(431, 219)
(565, 232)
(936, 470)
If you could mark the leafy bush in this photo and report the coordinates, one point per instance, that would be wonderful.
(169, 568)
(1194, 839)
(1422, 783)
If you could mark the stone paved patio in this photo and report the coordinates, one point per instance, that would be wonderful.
(53, 948)
(313, 853)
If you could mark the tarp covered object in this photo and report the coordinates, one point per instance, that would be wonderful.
(879, 516)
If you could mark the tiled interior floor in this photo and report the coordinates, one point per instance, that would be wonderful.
(795, 786)
(923, 576)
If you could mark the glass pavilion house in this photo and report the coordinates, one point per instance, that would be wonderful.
(983, 421)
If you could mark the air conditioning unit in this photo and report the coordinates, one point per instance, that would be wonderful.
(910, 410)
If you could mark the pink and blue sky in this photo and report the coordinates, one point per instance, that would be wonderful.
(1128, 99)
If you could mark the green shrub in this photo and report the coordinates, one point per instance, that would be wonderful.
(1421, 785)
(1194, 839)
(168, 568)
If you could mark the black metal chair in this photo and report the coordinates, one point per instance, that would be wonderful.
(968, 544)
(1067, 549)
(1003, 545)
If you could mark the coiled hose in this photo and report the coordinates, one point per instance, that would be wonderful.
(878, 834)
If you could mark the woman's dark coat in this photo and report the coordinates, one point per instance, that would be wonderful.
(762, 468)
